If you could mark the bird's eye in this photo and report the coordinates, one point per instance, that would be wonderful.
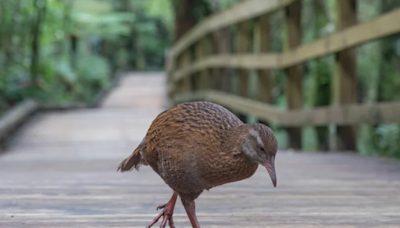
(261, 148)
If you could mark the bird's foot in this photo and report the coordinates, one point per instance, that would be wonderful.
(166, 213)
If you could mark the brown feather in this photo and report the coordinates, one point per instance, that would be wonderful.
(135, 160)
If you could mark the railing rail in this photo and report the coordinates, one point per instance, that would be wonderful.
(198, 67)
(356, 35)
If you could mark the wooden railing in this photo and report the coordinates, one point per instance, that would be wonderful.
(196, 64)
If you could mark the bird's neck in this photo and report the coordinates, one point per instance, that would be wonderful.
(235, 138)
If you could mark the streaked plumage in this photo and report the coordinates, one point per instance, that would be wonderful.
(200, 145)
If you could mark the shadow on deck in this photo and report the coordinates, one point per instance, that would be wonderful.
(61, 172)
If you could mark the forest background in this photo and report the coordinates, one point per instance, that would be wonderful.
(67, 51)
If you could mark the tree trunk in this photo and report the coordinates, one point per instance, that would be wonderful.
(40, 9)
(188, 13)
(74, 41)
(63, 45)
(11, 28)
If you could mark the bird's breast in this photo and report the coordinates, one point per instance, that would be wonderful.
(227, 169)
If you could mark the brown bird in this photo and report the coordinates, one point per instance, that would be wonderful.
(201, 145)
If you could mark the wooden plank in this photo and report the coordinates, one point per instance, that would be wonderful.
(345, 81)
(355, 114)
(14, 117)
(339, 41)
(240, 12)
(294, 93)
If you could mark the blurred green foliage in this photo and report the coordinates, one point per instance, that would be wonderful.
(66, 51)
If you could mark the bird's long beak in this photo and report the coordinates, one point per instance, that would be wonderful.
(270, 165)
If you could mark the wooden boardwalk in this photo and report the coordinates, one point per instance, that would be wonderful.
(60, 171)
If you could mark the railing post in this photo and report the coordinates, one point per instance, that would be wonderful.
(169, 65)
(215, 76)
(178, 65)
(294, 73)
(345, 82)
(192, 60)
(226, 46)
(210, 77)
(262, 43)
(242, 46)
(198, 54)
(203, 52)
(185, 82)
(182, 85)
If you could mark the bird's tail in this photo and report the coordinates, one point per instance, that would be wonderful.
(134, 160)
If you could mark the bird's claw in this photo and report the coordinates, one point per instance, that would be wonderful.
(167, 217)
(161, 206)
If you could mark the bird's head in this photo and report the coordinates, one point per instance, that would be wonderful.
(261, 146)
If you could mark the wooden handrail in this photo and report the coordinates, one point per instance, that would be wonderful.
(356, 35)
(384, 112)
(15, 116)
(240, 12)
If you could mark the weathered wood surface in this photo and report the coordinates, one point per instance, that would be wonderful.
(138, 92)
(61, 172)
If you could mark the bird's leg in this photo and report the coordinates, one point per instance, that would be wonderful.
(190, 208)
(166, 213)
